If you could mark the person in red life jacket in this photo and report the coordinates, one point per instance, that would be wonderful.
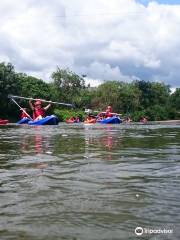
(77, 120)
(90, 119)
(143, 119)
(24, 113)
(100, 116)
(108, 112)
(38, 110)
(70, 120)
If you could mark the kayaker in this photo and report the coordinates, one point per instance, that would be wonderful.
(127, 119)
(108, 112)
(100, 116)
(70, 120)
(77, 120)
(89, 119)
(143, 119)
(23, 113)
(38, 110)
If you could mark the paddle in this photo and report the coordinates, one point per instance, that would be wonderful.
(35, 99)
(90, 111)
(117, 114)
(21, 108)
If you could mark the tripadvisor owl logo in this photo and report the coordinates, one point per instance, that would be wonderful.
(139, 231)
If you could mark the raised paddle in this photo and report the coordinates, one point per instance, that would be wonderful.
(89, 111)
(118, 114)
(35, 99)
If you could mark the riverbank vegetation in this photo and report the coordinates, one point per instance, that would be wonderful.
(138, 98)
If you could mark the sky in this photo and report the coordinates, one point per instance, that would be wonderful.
(105, 40)
(170, 2)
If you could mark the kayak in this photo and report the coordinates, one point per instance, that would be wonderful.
(110, 120)
(23, 121)
(49, 120)
(71, 121)
(90, 121)
(3, 122)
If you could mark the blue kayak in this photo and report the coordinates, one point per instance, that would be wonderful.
(111, 120)
(49, 120)
(23, 121)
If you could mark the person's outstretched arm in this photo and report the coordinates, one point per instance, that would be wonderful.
(47, 107)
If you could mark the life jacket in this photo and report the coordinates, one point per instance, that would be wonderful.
(24, 115)
(77, 119)
(70, 120)
(108, 114)
(38, 112)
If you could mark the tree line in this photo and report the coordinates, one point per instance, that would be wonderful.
(138, 98)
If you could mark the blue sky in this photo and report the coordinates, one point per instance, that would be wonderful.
(170, 2)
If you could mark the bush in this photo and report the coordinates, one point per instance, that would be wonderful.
(157, 113)
(137, 115)
(67, 113)
(172, 113)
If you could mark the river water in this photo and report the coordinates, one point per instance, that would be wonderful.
(89, 182)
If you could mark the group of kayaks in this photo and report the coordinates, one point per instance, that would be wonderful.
(107, 117)
(109, 120)
(53, 120)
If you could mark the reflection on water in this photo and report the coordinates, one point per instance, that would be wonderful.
(88, 181)
(36, 141)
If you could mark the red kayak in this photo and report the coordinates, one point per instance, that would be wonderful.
(3, 122)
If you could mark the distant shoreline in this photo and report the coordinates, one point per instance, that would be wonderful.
(166, 122)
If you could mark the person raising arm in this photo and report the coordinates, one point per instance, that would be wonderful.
(38, 110)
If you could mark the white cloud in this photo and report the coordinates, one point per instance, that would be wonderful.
(118, 39)
(99, 71)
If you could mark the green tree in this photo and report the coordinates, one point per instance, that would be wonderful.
(9, 84)
(153, 93)
(106, 94)
(34, 87)
(129, 97)
(175, 99)
(68, 84)
(83, 99)
(160, 93)
(124, 97)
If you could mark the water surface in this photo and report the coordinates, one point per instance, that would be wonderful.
(89, 181)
